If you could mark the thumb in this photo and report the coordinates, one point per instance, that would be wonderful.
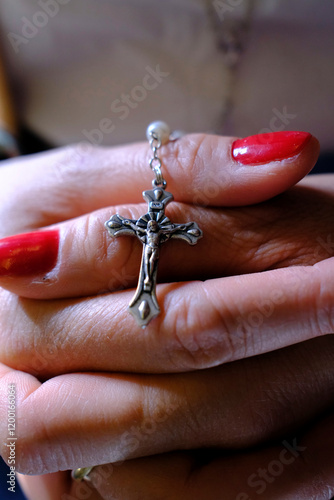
(200, 169)
(224, 171)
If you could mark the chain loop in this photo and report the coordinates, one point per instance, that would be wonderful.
(155, 161)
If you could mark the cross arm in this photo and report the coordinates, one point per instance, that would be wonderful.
(118, 225)
(189, 232)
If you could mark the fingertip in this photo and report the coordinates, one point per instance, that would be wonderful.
(266, 180)
(310, 154)
(28, 254)
(289, 157)
(268, 147)
(208, 169)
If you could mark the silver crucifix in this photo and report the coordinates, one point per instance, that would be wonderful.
(152, 229)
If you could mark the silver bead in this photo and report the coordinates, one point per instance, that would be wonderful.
(159, 128)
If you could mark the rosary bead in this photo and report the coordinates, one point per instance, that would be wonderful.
(159, 128)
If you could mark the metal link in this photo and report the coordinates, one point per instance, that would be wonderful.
(82, 473)
(155, 142)
(155, 162)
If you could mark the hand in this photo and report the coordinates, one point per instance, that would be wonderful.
(270, 398)
(35, 318)
(222, 319)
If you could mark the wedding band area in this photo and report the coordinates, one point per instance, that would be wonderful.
(82, 473)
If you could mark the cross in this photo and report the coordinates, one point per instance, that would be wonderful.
(152, 229)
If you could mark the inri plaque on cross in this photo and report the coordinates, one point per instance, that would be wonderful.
(152, 229)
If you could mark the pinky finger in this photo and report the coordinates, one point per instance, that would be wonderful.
(297, 468)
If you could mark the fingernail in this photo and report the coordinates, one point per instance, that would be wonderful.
(264, 148)
(29, 253)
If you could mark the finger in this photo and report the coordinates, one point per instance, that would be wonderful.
(199, 169)
(53, 486)
(79, 258)
(201, 324)
(129, 415)
(296, 468)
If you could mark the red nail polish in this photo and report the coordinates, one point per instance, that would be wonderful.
(264, 148)
(29, 253)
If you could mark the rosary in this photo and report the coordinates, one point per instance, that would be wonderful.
(152, 229)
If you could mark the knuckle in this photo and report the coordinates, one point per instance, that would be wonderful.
(172, 414)
(188, 154)
(324, 307)
(74, 159)
(198, 332)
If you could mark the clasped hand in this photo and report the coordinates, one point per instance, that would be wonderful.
(237, 372)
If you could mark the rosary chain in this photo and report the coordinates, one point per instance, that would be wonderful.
(155, 162)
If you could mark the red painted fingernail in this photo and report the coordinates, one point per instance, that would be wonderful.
(264, 148)
(29, 253)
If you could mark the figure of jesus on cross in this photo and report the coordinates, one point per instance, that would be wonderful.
(152, 229)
